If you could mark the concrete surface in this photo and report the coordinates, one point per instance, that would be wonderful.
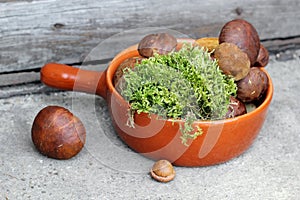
(107, 169)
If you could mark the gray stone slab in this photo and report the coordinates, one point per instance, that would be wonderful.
(107, 169)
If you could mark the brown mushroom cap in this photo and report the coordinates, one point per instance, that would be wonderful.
(235, 108)
(232, 61)
(162, 171)
(210, 44)
(161, 43)
(262, 58)
(253, 86)
(242, 34)
(128, 63)
(57, 133)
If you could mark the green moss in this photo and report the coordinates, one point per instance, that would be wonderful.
(187, 85)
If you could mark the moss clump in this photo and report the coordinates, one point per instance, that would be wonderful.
(186, 85)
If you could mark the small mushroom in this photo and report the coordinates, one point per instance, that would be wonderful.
(161, 43)
(208, 43)
(235, 108)
(242, 34)
(57, 133)
(232, 61)
(162, 171)
(253, 86)
(262, 58)
(128, 63)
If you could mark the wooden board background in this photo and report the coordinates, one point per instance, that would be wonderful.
(35, 32)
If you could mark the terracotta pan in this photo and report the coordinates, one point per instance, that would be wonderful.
(156, 138)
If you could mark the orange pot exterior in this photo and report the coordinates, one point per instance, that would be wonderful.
(157, 138)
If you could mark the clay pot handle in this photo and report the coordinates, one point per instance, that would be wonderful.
(70, 78)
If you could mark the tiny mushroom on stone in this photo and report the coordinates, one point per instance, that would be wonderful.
(57, 133)
(162, 171)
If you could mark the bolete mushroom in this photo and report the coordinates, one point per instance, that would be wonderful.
(262, 58)
(57, 133)
(162, 171)
(253, 86)
(232, 60)
(210, 44)
(161, 43)
(128, 63)
(235, 108)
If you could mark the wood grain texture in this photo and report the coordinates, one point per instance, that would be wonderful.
(30, 88)
(33, 33)
(12, 79)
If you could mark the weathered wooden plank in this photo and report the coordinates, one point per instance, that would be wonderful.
(35, 32)
(18, 78)
(18, 90)
(278, 45)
